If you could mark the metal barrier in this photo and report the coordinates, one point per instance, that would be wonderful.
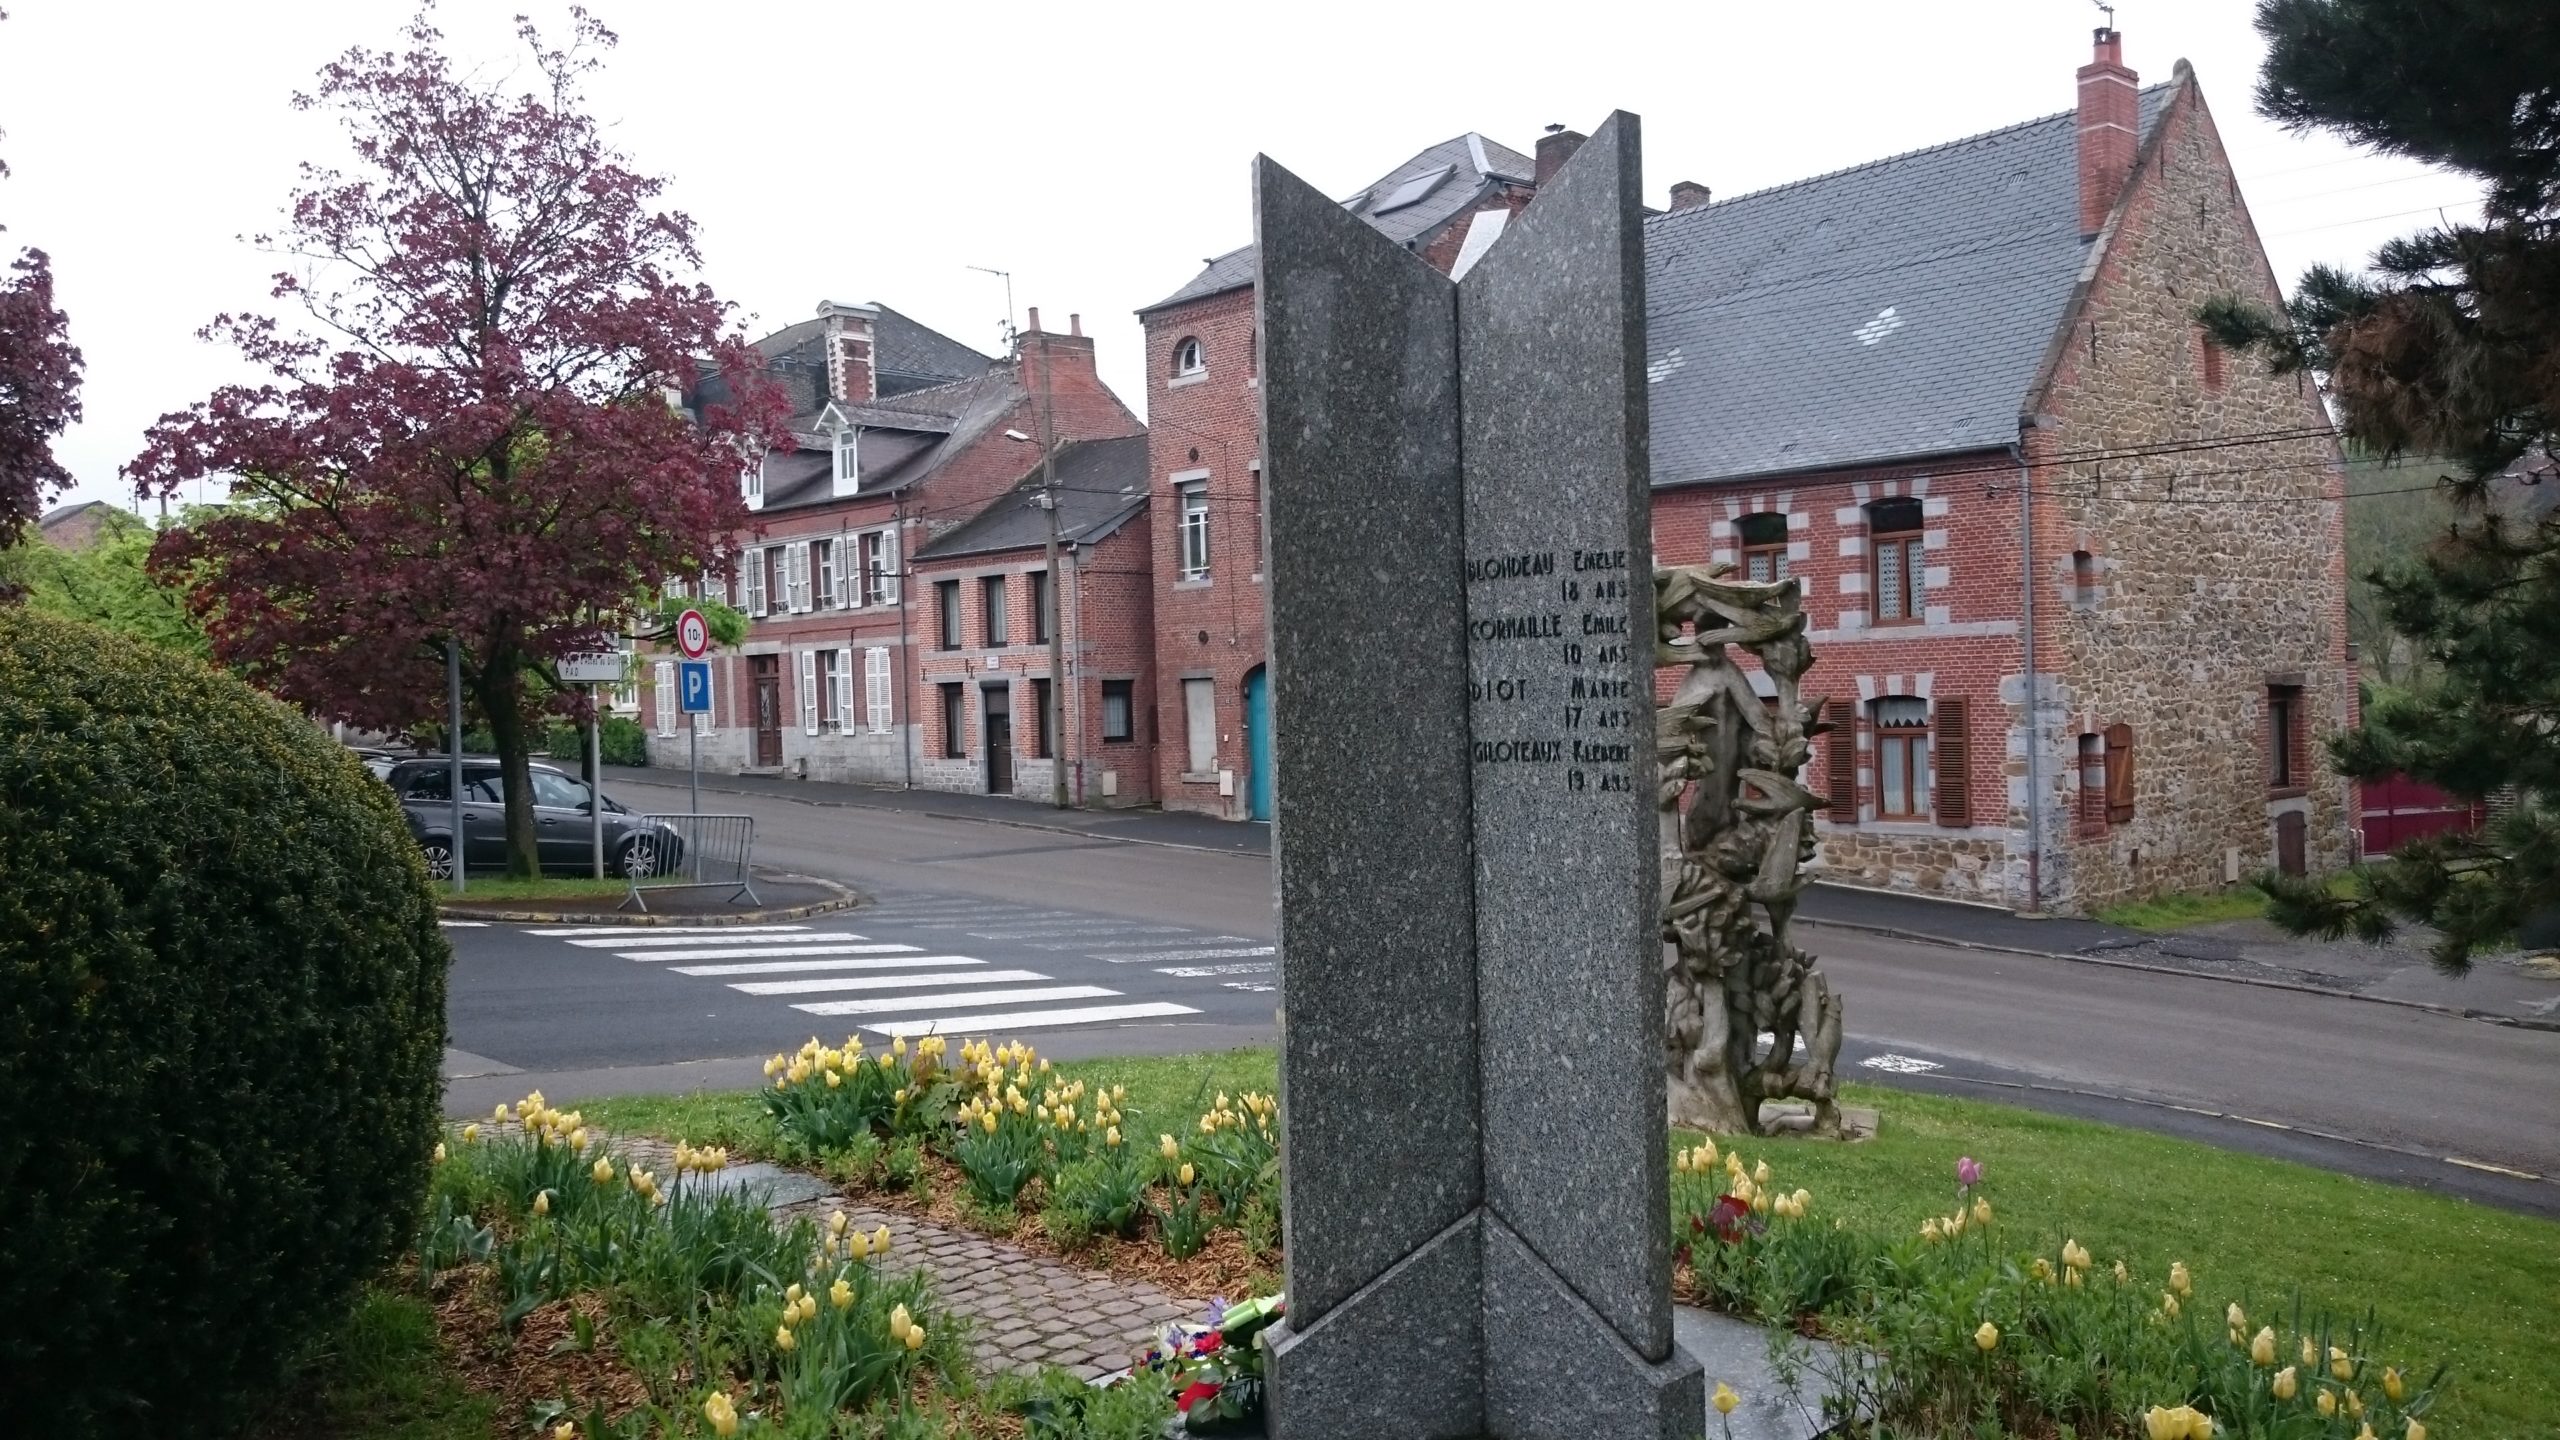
(710, 850)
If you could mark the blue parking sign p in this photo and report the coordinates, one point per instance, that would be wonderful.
(695, 686)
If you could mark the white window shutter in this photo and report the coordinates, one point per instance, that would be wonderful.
(665, 675)
(889, 565)
(809, 692)
(849, 572)
(711, 692)
(875, 687)
(844, 691)
(755, 582)
(800, 578)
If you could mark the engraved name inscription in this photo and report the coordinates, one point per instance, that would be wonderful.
(1543, 612)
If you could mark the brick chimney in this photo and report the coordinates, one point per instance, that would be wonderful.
(1554, 148)
(1688, 194)
(1070, 358)
(849, 340)
(2110, 111)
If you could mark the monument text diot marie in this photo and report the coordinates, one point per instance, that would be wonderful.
(1462, 627)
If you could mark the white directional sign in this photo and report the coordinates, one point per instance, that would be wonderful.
(693, 634)
(605, 669)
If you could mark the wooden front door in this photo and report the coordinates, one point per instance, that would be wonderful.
(999, 734)
(767, 673)
(2289, 856)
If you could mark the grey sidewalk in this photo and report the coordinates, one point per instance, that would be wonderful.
(1153, 827)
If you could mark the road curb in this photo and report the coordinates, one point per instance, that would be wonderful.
(2486, 1017)
(815, 802)
(846, 898)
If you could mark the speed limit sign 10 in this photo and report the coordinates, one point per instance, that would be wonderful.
(693, 634)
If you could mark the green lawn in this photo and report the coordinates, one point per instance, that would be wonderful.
(2181, 910)
(382, 1377)
(2448, 1280)
(488, 889)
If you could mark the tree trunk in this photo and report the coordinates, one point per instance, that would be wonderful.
(501, 690)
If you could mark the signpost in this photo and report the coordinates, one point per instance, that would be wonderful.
(693, 637)
(595, 672)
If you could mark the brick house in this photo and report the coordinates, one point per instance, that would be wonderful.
(984, 661)
(902, 434)
(1204, 417)
(77, 526)
(1960, 396)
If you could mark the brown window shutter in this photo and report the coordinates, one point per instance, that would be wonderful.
(1952, 759)
(1843, 763)
(2119, 774)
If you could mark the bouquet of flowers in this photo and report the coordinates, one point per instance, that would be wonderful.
(1214, 1370)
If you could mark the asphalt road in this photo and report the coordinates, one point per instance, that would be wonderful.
(1164, 949)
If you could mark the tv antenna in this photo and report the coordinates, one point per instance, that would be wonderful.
(1007, 277)
(2108, 10)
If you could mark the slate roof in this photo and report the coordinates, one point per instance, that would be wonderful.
(1465, 166)
(1101, 483)
(942, 421)
(1893, 310)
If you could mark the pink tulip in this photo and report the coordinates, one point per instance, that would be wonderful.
(1968, 1172)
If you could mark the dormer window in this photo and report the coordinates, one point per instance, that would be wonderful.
(1188, 358)
(848, 464)
(751, 483)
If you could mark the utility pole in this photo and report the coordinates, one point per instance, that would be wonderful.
(1055, 719)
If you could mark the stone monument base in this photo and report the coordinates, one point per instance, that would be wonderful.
(1796, 1117)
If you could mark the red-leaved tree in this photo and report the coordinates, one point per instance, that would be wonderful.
(483, 447)
(39, 388)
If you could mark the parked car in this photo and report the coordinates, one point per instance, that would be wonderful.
(634, 846)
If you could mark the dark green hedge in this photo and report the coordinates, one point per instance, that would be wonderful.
(221, 1019)
(621, 740)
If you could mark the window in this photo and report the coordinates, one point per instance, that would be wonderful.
(2284, 737)
(848, 461)
(1117, 706)
(1902, 757)
(879, 568)
(2084, 579)
(777, 591)
(817, 691)
(626, 696)
(2208, 362)
(1896, 561)
(1188, 358)
(955, 716)
(673, 589)
(1200, 724)
(875, 688)
(840, 693)
(557, 791)
(1194, 560)
(992, 598)
(1043, 622)
(1764, 547)
(430, 783)
(1041, 738)
(830, 578)
(751, 483)
(803, 598)
(751, 578)
(1261, 519)
(2093, 786)
(946, 605)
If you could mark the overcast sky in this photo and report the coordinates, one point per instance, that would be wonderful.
(864, 152)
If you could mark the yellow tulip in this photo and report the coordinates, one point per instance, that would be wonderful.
(439, 1152)
(988, 1122)
(1987, 1338)
(2326, 1404)
(2122, 1274)
(603, 1171)
(578, 1138)
(498, 1116)
(2169, 1303)
(1725, 1399)
(2285, 1384)
(2071, 1278)
(1111, 1136)
(784, 1340)
(1186, 1173)
(791, 1294)
(899, 1320)
(2355, 1403)
(835, 1079)
(857, 1246)
(2235, 1317)
(2340, 1365)
(880, 1241)
(2075, 1255)
(2041, 1270)
(1802, 1197)
(915, 1333)
(565, 1430)
(2391, 1384)
(2160, 1423)
(1759, 1202)
(2199, 1424)
(2262, 1349)
(1707, 1153)
(2180, 1280)
(1760, 1173)
(722, 1415)
(542, 1203)
(898, 1046)
(1929, 1230)
(2415, 1431)
(2310, 1354)
(840, 1294)
(1981, 1211)
(2365, 1432)
(471, 1133)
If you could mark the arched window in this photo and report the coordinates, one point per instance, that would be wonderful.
(1188, 357)
(1764, 546)
(1902, 757)
(1895, 560)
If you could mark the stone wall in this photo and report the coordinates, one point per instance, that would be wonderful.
(2178, 584)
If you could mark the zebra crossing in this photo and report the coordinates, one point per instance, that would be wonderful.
(918, 965)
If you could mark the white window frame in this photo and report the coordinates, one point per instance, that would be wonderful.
(1190, 358)
(841, 721)
(1191, 533)
(845, 462)
(1200, 697)
(828, 591)
(664, 692)
(877, 557)
(808, 692)
(795, 565)
(751, 572)
(626, 696)
(751, 483)
(875, 688)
